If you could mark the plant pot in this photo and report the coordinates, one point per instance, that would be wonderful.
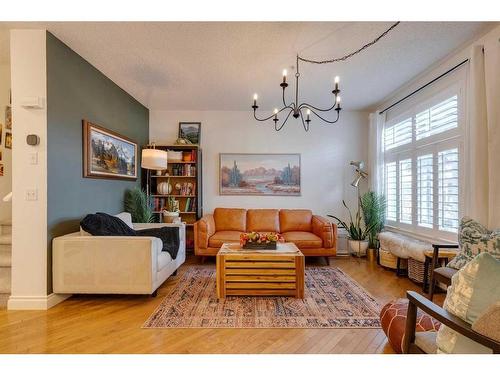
(169, 217)
(371, 255)
(358, 248)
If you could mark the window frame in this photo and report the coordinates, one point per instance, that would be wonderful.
(446, 140)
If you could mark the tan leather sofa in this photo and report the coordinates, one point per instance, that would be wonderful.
(313, 235)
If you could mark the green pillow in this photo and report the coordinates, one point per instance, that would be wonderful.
(473, 290)
(473, 239)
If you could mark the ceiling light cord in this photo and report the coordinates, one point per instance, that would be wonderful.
(345, 57)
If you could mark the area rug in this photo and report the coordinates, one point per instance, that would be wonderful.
(332, 300)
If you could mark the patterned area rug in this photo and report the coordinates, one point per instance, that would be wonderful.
(332, 300)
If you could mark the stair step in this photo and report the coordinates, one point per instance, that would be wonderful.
(5, 259)
(6, 239)
(5, 280)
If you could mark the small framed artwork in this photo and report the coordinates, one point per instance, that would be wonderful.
(107, 154)
(190, 131)
(8, 117)
(1, 169)
(8, 140)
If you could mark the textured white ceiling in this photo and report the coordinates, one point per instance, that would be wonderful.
(219, 65)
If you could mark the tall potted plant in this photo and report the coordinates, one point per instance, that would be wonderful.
(373, 207)
(357, 232)
(136, 203)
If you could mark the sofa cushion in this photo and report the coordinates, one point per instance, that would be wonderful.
(230, 219)
(472, 291)
(224, 236)
(295, 220)
(263, 220)
(162, 260)
(303, 240)
(474, 239)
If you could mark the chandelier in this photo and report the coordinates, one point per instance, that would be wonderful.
(297, 109)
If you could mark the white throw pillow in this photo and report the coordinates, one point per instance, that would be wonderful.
(472, 291)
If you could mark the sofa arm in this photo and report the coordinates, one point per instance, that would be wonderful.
(325, 230)
(203, 230)
(104, 264)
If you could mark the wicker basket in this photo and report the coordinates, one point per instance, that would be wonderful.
(390, 261)
(416, 271)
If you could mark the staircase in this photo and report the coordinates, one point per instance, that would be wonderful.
(5, 261)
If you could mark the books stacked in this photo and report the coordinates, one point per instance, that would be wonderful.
(188, 170)
(190, 205)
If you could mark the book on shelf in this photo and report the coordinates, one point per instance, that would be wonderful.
(186, 170)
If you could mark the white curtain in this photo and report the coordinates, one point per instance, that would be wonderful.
(483, 180)
(376, 155)
(477, 196)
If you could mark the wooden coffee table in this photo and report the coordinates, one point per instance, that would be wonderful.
(277, 272)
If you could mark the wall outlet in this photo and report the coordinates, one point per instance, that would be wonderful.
(34, 158)
(31, 194)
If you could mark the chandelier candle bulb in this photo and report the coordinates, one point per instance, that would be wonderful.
(337, 79)
(255, 97)
(284, 75)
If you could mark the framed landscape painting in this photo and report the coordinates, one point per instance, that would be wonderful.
(259, 174)
(107, 154)
(191, 131)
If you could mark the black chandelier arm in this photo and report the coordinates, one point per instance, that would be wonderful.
(278, 128)
(307, 105)
(306, 127)
(324, 119)
(270, 117)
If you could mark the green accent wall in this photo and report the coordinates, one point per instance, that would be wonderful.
(76, 90)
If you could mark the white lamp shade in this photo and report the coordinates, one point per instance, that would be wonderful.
(154, 159)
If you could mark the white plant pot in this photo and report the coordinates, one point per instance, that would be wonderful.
(169, 217)
(358, 248)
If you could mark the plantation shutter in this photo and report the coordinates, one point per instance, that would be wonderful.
(391, 191)
(448, 175)
(405, 191)
(425, 190)
(438, 118)
(398, 134)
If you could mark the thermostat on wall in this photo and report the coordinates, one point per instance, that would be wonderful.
(32, 102)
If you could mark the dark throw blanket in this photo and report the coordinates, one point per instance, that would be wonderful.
(101, 224)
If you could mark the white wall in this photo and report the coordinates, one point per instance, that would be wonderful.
(326, 151)
(6, 160)
(29, 217)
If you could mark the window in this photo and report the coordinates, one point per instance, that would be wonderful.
(422, 153)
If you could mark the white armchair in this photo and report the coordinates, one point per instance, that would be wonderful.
(82, 263)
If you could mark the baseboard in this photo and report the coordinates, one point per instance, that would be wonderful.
(35, 302)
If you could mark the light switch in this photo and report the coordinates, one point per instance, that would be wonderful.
(31, 194)
(34, 158)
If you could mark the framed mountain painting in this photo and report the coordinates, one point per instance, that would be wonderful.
(259, 174)
(107, 154)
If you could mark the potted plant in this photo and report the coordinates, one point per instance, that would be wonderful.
(172, 211)
(373, 207)
(357, 234)
(136, 203)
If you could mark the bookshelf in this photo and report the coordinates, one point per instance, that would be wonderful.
(182, 173)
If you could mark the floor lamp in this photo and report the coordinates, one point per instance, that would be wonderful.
(153, 159)
(360, 174)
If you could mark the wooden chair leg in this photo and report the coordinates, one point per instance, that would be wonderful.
(411, 320)
(432, 285)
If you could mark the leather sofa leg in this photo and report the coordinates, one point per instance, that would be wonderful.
(327, 260)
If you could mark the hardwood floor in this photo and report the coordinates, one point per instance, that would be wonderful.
(111, 324)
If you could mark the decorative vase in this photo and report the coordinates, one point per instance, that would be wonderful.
(169, 217)
(164, 188)
(371, 255)
(358, 247)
